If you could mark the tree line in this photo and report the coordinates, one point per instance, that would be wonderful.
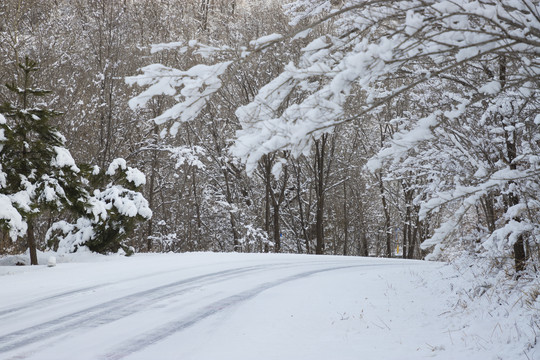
(355, 128)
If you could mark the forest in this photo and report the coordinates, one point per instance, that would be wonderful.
(381, 128)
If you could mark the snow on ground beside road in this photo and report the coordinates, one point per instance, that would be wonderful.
(263, 306)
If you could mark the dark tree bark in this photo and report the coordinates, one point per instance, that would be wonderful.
(30, 238)
(151, 192)
(520, 257)
(303, 223)
(387, 220)
(274, 199)
(320, 149)
(228, 196)
(345, 221)
(267, 197)
(489, 212)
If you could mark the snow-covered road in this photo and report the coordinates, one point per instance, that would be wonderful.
(225, 306)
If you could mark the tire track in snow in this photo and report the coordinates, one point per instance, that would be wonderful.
(39, 302)
(47, 299)
(149, 338)
(115, 309)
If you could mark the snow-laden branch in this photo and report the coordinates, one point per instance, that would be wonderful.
(376, 41)
(465, 193)
(10, 216)
(192, 89)
(440, 36)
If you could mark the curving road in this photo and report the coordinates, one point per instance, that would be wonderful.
(182, 306)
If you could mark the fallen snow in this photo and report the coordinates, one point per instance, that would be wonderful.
(250, 306)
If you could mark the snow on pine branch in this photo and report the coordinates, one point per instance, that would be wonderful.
(106, 209)
(133, 175)
(11, 217)
(71, 236)
(64, 159)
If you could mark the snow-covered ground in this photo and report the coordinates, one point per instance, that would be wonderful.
(255, 306)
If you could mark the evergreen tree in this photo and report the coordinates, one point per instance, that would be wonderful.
(123, 206)
(40, 173)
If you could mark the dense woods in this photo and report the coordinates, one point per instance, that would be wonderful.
(382, 128)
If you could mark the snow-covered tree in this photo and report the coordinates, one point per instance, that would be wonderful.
(39, 173)
(39, 177)
(453, 63)
(10, 217)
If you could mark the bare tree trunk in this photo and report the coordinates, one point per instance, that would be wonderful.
(387, 223)
(345, 221)
(406, 231)
(276, 198)
(365, 248)
(31, 242)
(362, 247)
(301, 208)
(236, 243)
(205, 10)
(320, 148)
(277, 230)
(197, 205)
(413, 241)
(489, 212)
(520, 257)
(151, 194)
(408, 226)
(3, 242)
(267, 197)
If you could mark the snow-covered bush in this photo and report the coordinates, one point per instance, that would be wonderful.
(110, 216)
